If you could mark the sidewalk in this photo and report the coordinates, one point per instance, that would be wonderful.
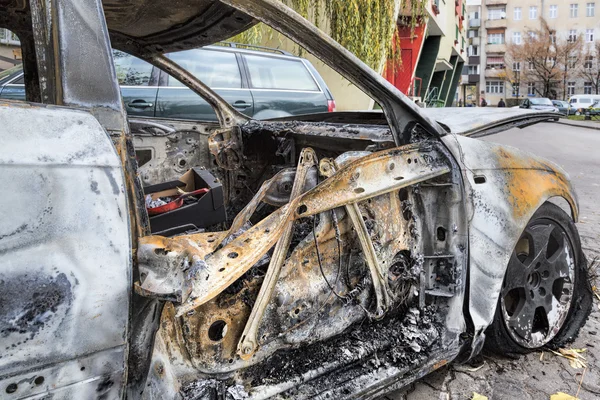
(580, 124)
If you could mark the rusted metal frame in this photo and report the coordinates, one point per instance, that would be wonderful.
(244, 216)
(228, 117)
(380, 286)
(249, 342)
(401, 113)
(373, 175)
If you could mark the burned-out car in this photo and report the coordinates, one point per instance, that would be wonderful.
(359, 251)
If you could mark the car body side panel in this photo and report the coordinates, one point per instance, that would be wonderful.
(65, 258)
(183, 103)
(140, 100)
(281, 103)
(505, 186)
(13, 91)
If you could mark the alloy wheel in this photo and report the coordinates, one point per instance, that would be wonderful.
(538, 288)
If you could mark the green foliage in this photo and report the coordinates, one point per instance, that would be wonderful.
(365, 27)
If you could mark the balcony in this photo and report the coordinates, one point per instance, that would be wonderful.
(474, 60)
(473, 78)
(474, 23)
(495, 48)
(494, 73)
(495, 23)
(496, 2)
(475, 41)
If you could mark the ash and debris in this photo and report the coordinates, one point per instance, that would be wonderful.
(397, 341)
(403, 341)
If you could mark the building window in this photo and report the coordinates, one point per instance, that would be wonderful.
(572, 61)
(587, 88)
(516, 66)
(530, 66)
(573, 10)
(570, 88)
(496, 38)
(531, 88)
(590, 9)
(515, 89)
(572, 35)
(589, 60)
(532, 35)
(589, 35)
(533, 12)
(517, 13)
(553, 37)
(553, 11)
(496, 87)
(497, 13)
(473, 69)
(517, 37)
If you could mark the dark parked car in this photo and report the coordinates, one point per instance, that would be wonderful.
(563, 106)
(262, 84)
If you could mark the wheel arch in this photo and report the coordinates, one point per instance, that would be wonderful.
(504, 188)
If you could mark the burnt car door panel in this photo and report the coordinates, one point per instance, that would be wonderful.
(65, 258)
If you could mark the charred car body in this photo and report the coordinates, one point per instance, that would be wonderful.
(362, 250)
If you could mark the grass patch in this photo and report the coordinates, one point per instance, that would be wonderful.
(582, 118)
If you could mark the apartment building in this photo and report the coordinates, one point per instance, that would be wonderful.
(432, 55)
(509, 21)
(470, 83)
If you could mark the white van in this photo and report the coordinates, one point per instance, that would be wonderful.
(581, 101)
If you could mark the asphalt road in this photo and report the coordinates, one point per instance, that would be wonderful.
(537, 376)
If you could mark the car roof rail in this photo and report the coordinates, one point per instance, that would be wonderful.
(244, 46)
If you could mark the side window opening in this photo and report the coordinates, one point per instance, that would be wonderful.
(131, 71)
(216, 69)
(279, 74)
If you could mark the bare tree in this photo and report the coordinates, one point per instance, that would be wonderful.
(590, 70)
(569, 53)
(512, 74)
(543, 59)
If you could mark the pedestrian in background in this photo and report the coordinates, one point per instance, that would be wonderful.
(501, 103)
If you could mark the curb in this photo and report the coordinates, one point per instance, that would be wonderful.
(580, 124)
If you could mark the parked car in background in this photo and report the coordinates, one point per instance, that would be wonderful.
(563, 106)
(579, 102)
(264, 83)
(539, 103)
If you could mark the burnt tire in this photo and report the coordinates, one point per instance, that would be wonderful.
(515, 328)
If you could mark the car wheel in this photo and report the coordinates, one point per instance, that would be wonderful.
(546, 295)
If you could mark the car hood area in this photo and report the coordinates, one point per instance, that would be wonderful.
(480, 121)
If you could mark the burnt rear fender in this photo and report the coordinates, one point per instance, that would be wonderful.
(504, 186)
